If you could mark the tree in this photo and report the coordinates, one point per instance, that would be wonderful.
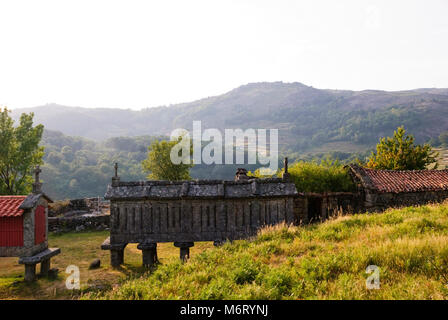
(159, 164)
(19, 152)
(400, 153)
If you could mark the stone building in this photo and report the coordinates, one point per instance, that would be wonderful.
(24, 229)
(377, 190)
(381, 189)
(148, 212)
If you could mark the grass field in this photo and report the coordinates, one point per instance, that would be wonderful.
(319, 261)
(81, 249)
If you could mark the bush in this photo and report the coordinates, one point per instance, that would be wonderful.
(326, 176)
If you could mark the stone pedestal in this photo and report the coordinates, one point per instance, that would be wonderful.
(116, 252)
(184, 249)
(45, 267)
(116, 257)
(30, 272)
(149, 253)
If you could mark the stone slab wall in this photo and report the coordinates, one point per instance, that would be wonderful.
(333, 203)
(342, 203)
(301, 209)
(195, 220)
(382, 201)
(80, 223)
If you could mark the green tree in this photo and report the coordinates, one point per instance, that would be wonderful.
(159, 164)
(400, 153)
(19, 152)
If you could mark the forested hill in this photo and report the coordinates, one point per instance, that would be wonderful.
(306, 117)
(76, 167)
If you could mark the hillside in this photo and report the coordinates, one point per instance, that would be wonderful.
(306, 117)
(76, 167)
(319, 261)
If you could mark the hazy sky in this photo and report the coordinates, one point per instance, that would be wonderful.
(136, 54)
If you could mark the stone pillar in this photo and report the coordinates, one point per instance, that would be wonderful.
(149, 253)
(30, 272)
(117, 255)
(184, 249)
(45, 267)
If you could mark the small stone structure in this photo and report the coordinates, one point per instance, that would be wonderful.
(24, 230)
(148, 212)
(381, 189)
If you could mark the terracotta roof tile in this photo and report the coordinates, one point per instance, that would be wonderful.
(396, 181)
(9, 206)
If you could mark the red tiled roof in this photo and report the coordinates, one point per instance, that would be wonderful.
(9, 206)
(396, 181)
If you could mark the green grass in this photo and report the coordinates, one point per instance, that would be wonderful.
(321, 261)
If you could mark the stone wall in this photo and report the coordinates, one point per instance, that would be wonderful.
(195, 220)
(381, 201)
(336, 203)
(331, 204)
(76, 207)
(79, 223)
(301, 209)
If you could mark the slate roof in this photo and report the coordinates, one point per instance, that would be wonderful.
(396, 181)
(10, 206)
(200, 189)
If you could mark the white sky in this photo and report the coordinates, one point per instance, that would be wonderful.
(136, 54)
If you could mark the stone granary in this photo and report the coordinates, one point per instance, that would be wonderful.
(24, 230)
(148, 212)
(380, 189)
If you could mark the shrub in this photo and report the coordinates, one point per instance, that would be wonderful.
(326, 176)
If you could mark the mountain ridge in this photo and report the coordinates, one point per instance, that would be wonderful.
(300, 112)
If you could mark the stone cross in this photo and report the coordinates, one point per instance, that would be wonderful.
(36, 173)
(286, 173)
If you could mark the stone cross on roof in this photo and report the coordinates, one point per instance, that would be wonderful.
(286, 175)
(37, 171)
(37, 185)
(115, 178)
